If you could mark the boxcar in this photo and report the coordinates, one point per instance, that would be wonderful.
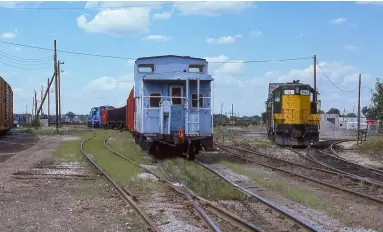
(6, 106)
(173, 103)
(130, 111)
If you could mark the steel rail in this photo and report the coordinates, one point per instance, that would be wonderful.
(234, 219)
(309, 158)
(331, 171)
(208, 221)
(358, 167)
(340, 157)
(151, 225)
(303, 223)
(307, 178)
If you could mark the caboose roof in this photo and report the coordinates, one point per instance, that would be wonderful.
(170, 56)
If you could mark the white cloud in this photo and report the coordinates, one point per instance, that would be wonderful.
(162, 16)
(128, 21)
(123, 4)
(226, 73)
(110, 83)
(350, 47)
(8, 35)
(242, 87)
(256, 33)
(300, 35)
(17, 48)
(224, 39)
(338, 21)
(369, 3)
(162, 38)
(212, 8)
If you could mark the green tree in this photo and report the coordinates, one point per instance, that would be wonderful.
(369, 112)
(333, 111)
(377, 100)
(70, 115)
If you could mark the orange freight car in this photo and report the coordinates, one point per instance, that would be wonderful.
(6, 106)
(130, 111)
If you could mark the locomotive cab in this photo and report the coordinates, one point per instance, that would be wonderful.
(293, 117)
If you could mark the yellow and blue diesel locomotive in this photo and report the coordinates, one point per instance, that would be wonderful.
(292, 117)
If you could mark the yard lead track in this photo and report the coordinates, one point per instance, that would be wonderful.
(335, 180)
(149, 223)
(234, 219)
(305, 225)
(345, 166)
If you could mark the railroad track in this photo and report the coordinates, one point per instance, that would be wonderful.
(342, 165)
(200, 205)
(305, 226)
(150, 225)
(339, 181)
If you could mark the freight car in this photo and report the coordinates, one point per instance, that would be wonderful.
(292, 114)
(94, 120)
(114, 118)
(6, 107)
(173, 105)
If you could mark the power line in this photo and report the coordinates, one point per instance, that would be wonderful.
(129, 58)
(333, 83)
(11, 65)
(97, 7)
(42, 59)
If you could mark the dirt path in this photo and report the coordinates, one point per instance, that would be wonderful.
(48, 196)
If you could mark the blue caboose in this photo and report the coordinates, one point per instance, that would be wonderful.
(173, 96)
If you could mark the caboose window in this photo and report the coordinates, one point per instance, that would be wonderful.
(196, 68)
(155, 99)
(176, 94)
(194, 100)
(145, 68)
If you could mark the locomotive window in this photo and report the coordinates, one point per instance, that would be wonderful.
(176, 93)
(155, 99)
(145, 68)
(311, 97)
(194, 100)
(196, 68)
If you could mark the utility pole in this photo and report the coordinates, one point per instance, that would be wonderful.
(315, 78)
(360, 77)
(41, 97)
(221, 107)
(49, 111)
(232, 112)
(35, 103)
(56, 87)
(59, 84)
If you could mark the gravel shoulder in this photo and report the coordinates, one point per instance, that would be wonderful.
(39, 194)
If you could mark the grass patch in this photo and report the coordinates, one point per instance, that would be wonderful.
(45, 131)
(121, 171)
(124, 144)
(373, 148)
(296, 194)
(201, 181)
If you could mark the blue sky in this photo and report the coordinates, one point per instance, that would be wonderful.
(345, 36)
